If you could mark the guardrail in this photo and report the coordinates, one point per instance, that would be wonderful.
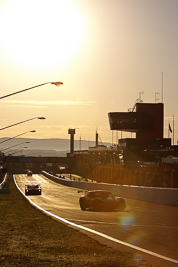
(165, 196)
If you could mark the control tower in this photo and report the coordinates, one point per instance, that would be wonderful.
(147, 121)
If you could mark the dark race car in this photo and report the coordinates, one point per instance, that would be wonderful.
(29, 173)
(34, 189)
(101, 200)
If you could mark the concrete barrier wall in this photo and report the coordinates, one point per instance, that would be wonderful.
(166, 196)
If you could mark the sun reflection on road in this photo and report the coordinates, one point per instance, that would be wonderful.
(126, 219)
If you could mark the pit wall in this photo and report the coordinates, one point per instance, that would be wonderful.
(165, 196)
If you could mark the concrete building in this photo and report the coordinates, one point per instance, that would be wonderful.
(136, 161)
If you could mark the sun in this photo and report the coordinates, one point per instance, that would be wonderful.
(41, 33)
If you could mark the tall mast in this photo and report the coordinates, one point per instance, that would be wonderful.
(173, 130)
(162, 85)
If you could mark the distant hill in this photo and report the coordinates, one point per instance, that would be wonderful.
(55, 144)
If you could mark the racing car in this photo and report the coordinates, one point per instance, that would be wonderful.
(29, 173)
(101, 200)
(34, 189)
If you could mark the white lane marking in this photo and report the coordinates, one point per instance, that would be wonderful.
(134, 225)
(96, 232)
(4, 179)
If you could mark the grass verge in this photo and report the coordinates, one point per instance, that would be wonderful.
(28, 237)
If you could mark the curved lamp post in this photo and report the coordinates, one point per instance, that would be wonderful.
(33, 131)
(40, 118)
(14, 146)
(16, 150)
(55, 83)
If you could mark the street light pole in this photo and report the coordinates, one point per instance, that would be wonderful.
(33, 131)
(40, 118)
(55, 83)
(16, 150)
(14, 146)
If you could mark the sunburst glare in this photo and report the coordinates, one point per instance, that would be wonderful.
(41, 34)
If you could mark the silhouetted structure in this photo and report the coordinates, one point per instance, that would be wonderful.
(148, 124)
(71, 132)
(135, 160)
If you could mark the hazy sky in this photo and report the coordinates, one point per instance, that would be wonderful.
(106, 52)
